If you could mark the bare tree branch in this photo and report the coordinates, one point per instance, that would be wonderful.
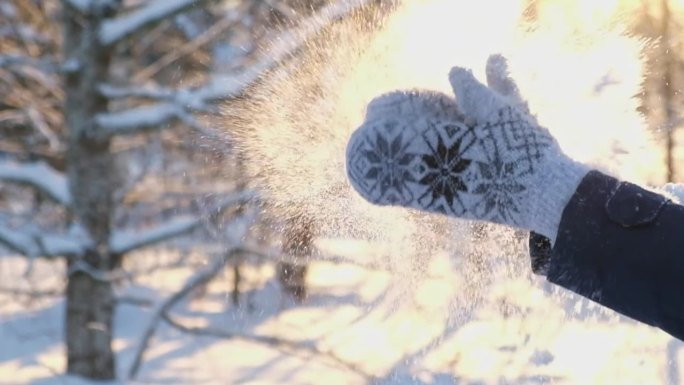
(188, 48)
(267, 340)
(283, 45)
(30, 293)
(19, 242)
(181, 105)
(34, 243)
(156, 93)
(38, 175)
(134, 301)
(123, 242)
(126, 241)
(191, 283)
(82, 6)
(138, 119)
(11, 60)
(55, 245)
(176, 105)
(155, 11)
(162, 314)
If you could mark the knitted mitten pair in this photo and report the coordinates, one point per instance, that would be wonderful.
(480, 155)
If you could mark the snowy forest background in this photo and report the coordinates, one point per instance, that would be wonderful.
(173, 207)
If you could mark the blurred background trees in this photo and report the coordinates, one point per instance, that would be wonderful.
(659, 24)
(662, 22)
(98, 101)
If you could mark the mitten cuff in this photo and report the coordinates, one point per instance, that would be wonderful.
(556, 185)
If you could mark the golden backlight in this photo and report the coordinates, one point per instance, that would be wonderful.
(579, 77)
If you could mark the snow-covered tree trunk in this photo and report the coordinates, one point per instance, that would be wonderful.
(89, 298)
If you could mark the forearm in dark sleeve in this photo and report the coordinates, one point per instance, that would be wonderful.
(622, 247)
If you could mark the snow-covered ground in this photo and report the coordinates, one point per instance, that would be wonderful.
(359, 326)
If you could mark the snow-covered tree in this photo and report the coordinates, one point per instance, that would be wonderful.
(89, 184)
(95, 76)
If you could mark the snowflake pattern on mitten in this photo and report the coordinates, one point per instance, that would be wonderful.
(404, 145)
(434, 161)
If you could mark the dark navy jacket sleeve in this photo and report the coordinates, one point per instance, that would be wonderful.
(622, 247)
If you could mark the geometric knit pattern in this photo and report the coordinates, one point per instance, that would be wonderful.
(480, 155)
(445, 165)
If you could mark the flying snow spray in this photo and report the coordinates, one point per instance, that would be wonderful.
(292, 129)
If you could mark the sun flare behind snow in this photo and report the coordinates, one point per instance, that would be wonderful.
(579, 80)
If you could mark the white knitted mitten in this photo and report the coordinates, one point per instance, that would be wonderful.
(480, 157)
